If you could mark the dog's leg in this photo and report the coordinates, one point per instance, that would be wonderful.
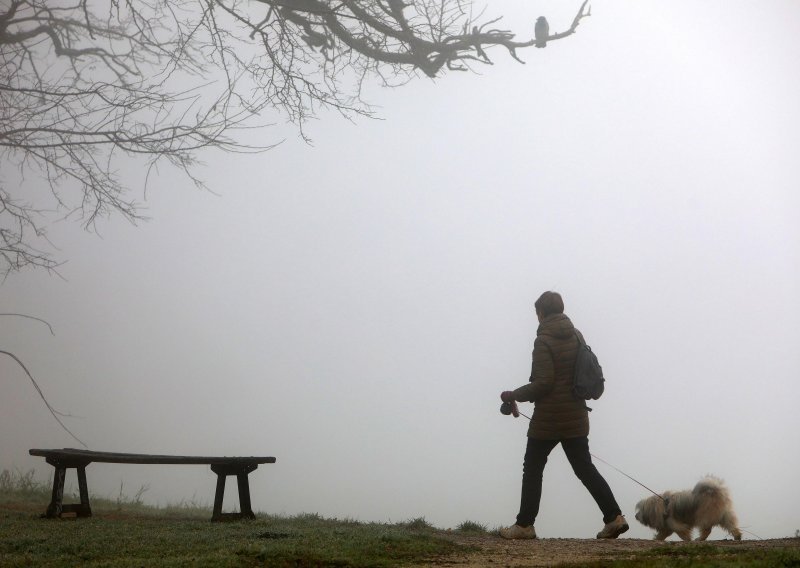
(663, 534)
(729, 522)
(704, 532)
(684, 533)
(734, 530)
(681, 529)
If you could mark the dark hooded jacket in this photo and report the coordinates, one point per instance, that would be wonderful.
(557, 413)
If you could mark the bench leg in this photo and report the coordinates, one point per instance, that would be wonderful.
(244, 496)
(85, 510)
(217, 514)
(57, 497)
(241, 472)
(56, 508)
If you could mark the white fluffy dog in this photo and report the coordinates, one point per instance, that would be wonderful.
(707, 505)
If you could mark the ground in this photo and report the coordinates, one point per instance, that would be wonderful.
(495, 551)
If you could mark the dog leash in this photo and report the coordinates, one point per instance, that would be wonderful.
(629, 477)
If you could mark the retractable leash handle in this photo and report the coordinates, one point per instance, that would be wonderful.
(505, 409)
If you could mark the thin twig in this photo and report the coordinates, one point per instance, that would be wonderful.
(33, 318)
(52, 410)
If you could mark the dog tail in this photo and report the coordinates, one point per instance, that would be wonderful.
(710, 486)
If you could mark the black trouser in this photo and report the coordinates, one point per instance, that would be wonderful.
(577, 450)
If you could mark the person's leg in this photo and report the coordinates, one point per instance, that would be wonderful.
(536, 454)
(577, 450)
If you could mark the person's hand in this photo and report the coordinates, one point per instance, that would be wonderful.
(508, 398)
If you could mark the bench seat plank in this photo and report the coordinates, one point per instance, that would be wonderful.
(69, 454)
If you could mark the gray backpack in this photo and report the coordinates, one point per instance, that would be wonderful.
(588, 382)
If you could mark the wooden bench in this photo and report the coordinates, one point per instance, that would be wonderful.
(223, 466)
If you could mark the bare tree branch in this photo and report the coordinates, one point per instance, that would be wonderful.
(87, 86)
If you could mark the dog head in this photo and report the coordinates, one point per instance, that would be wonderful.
(650, 512)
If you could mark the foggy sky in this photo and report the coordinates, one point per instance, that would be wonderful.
(356, 306)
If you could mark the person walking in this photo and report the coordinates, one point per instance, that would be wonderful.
(558, 418)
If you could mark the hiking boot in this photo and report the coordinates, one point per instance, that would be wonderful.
(614, 528)
(516, 531)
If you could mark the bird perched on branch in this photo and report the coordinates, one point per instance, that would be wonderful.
(541, 31)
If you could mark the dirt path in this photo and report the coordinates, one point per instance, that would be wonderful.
(494, 551)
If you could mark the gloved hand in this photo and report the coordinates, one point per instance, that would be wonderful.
(508, 398)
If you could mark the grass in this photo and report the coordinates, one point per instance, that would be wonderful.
(471, 527)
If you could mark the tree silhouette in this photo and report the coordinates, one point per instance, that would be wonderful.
(87, 85)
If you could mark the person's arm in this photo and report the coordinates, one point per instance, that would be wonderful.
(542, 375)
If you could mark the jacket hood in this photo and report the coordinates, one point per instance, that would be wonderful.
(557, 326)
